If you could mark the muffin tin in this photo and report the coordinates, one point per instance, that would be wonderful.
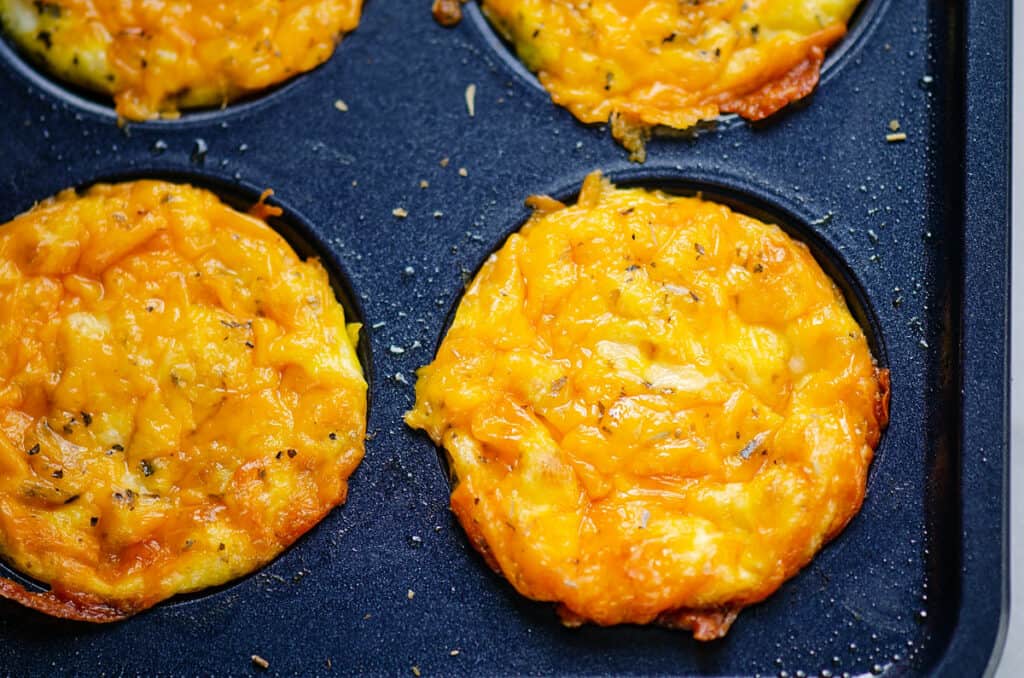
(916, 233)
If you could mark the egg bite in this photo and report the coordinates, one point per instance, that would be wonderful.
(155, 58)
(180, 397)
(643, 63)
(656, 409)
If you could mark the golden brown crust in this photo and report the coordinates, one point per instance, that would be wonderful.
(882, 398)
(710, 624)
(773, 96)
(76, 607)
(705, 624)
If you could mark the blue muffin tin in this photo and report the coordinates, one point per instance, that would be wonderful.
(915, 232)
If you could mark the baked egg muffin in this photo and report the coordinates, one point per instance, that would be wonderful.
(180, 397)
(156, 56)
(642, 63)
(656, 410)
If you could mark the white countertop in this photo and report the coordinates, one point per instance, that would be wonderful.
(1012, 663)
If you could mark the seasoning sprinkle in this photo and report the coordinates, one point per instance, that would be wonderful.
(416, 671)
(341, 105)
(463, 172)
(34, 450)
(400, 212)
(260, 662)
(410, 594)
(894, 125)
(471, 100)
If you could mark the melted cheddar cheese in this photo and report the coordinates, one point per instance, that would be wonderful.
(656, 409)
(159, 55)
(180, 398)
(642, 63)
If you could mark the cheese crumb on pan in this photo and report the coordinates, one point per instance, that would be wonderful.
(656, 409)
(156, 56)
(180, 397)
(642, 63)
(471, 100)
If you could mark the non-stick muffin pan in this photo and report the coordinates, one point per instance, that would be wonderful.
(915, 232)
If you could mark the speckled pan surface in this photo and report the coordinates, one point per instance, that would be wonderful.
(916, 231)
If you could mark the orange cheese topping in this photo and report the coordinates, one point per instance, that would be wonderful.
(157, 55)
(656, 409)
(671, 62)
(180, 397)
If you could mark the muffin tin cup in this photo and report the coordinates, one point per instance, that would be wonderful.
(862, 24)
(100, 106)
(914, 233)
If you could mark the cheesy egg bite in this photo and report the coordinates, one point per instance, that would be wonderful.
(156, 56)
(641, 63)
(180, 397)
(656, 409)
